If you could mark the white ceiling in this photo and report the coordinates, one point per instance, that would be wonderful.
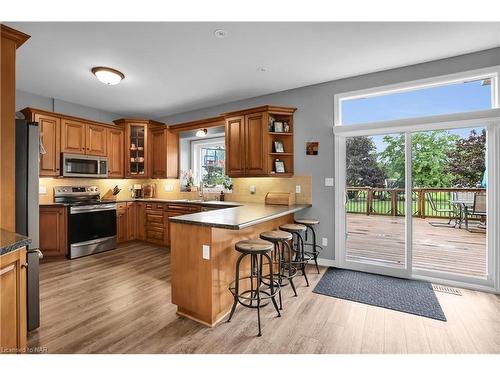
(176, 67)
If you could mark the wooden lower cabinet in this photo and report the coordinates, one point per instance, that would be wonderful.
(121, 222)
(177, 210)
(13, 323)
(140, 220)
(53, 231)
(131, 221)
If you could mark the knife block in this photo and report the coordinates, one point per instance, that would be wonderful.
(109, 196)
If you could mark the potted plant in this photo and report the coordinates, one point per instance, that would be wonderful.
(188, 177)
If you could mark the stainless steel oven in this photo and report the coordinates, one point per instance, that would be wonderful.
(75, 165)
(91, 222)
(91, 229)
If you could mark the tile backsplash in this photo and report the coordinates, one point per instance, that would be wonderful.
(170, 188)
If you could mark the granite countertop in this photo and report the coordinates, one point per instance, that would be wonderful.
(243, 216)
(10, 241)
(160, 200)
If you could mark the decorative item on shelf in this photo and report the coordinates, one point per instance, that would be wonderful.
(312, 148)
(270, 126)
(286, 127)
(278, 146)
(133, 147)
(278, 126)
(279, 166)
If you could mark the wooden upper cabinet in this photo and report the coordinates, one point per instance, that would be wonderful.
(81, 138)
(165, 154)
(115, 150)
(255, 150)
(73, 136)
(251, 141)
(95, 140)
(50, 131)
(235, 157)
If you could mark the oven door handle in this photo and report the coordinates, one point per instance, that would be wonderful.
(93, 208)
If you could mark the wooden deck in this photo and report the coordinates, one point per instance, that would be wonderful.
(382, 239)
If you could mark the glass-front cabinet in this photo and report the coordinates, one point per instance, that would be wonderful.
(137, 150)
(138, 147)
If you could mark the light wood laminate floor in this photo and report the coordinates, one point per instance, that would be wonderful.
(119, 302)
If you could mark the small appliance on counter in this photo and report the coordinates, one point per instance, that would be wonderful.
(149, 190)
(137, 192)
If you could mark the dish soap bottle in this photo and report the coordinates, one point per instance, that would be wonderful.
(221, 198)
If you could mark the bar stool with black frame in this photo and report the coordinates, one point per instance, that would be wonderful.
(252, 298)
(282, 258)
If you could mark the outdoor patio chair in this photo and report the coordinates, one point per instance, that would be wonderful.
(451, 212)
(478, 209)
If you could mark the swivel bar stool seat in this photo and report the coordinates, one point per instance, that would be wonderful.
(257, 250)
(301, 258)
(315, 248)
(282, 258)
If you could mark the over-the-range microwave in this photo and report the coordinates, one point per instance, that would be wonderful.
(75, 165)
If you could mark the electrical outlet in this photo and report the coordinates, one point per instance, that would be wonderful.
(169, 187)
(42, 189)
(324, 241)
(297, 189)
(328, 181)
(253, 189)
(206, 252)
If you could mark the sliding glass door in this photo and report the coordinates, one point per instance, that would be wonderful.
(415, 203)
(375, 201)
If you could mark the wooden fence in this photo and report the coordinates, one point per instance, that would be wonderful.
(383, 201)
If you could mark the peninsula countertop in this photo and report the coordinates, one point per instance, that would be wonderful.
(243, 216)
(10, 241)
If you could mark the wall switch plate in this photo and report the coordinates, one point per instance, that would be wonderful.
(328, 181)
(169, 187)
(206, 252)
(297, 189)
(253, 189)
(324, 241)
(42, 189)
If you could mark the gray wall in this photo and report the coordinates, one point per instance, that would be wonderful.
(314, 121)
(25, 99)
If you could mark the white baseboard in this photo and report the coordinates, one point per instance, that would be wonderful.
(326, 262)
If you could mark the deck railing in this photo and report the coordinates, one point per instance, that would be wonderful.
(383, 201)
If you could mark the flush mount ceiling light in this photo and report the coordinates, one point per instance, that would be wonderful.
(109, 76)
(201, 133)
(219, 33)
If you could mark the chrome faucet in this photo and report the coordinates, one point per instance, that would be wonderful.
(201, 192)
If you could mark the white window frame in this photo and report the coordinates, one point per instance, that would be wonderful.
(196, 147)
(487, 118)
(471, 75)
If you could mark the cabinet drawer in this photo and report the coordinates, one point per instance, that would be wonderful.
(154, 218)
(121, 206)
(154, 234)
(154, 206)
(183, 208)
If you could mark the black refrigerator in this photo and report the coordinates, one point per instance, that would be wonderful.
(27, 210)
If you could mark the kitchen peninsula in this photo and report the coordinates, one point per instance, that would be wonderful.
(203, 256)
